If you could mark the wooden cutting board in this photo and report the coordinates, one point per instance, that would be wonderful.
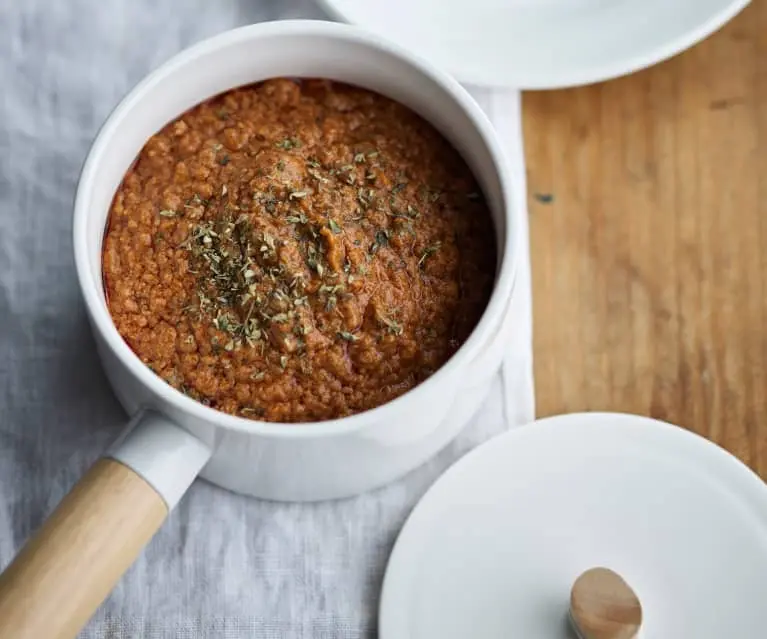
(648, 209)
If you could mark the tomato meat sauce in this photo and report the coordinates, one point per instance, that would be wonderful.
(297, 251)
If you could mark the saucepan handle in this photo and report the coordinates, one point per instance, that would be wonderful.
(70, 565)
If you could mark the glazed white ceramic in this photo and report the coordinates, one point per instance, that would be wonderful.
(494, 547)
(301, 461)
(541, 44)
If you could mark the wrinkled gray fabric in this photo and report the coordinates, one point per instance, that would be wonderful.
(223, 565)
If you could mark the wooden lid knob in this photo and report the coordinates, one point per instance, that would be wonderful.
(603, 606)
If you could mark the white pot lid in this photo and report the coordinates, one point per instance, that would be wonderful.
(493, 548)
(536, 44)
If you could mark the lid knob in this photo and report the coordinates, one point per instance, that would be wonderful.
(603, 606)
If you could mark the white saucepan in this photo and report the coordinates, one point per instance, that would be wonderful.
(69, 567)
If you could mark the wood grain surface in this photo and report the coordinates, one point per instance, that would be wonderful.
(648, 207)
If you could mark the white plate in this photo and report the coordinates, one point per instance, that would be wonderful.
(493, 548)
(534, 44)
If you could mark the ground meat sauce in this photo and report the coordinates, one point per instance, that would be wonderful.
(295, 251)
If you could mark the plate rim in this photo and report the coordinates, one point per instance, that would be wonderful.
(743, 474)
(609, 70)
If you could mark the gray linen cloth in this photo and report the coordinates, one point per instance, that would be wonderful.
(223, 565)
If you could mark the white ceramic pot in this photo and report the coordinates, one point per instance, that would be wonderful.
(172, 439)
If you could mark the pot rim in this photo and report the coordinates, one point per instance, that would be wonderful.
(99, 314)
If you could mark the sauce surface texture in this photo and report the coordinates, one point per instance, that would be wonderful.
(297, 251)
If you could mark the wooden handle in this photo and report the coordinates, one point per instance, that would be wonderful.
(69, 567)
